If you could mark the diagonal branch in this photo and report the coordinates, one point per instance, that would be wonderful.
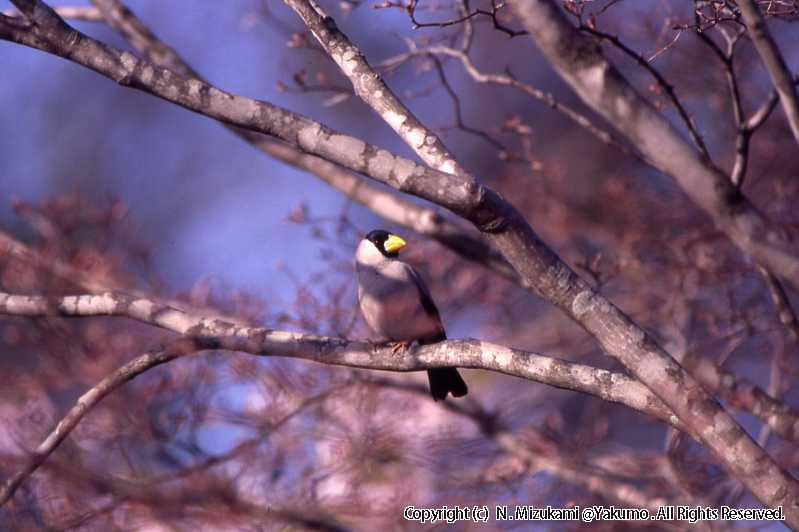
(370, 87)
(738, 227)
(745, 395)
(580, 62)
(785, 310)
(661, 80)
(773, 61)
(86, 402)
(424, 220)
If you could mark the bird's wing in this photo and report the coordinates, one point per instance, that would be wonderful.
(427, 301)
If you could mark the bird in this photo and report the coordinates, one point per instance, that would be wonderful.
(396, 304)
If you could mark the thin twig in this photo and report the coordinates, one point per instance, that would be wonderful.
(664, 84)
(495, 7)
(744, 134)
(510, 81)
(85, 403)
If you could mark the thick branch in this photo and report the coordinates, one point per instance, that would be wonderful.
(745, 395)
(370, 87)
(217, 333)
(204, 332)
(580, 62)
(774, 62)
(423, 220)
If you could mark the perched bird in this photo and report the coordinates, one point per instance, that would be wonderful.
(396, 304)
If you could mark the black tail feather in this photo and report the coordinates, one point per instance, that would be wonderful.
(444, 381)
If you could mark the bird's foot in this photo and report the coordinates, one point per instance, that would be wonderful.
(398, 347)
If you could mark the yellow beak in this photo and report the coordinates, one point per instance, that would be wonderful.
(393, 243)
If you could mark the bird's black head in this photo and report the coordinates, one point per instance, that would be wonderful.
(387, 243)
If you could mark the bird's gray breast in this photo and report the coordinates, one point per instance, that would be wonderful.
(391, 302)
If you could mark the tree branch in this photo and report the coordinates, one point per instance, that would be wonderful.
(580, 62)
(370, 87)
(740, 393)
(746, 128)
(206, 333)
(744, 134)
(217, 333)
(619, 388)
(773, 61)
(80, 278)
(547, 98)
(661, 80)
(423, 220)
(745, 395)
(85, 403)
